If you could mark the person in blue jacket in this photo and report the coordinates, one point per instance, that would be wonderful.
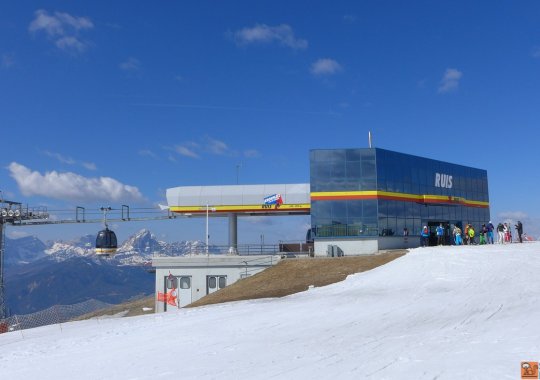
(490, 228)
(440, 235)
(425, 236)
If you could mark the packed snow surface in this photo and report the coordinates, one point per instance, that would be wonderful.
(469, 312)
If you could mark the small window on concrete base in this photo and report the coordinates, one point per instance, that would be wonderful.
(212, 282)
(222, 282)
(185, 282)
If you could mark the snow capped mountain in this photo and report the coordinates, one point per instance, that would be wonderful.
(138, 249)
(66, 272)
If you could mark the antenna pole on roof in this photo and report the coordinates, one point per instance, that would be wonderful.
(369, 138)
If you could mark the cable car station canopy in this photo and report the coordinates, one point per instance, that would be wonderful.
(282, 199)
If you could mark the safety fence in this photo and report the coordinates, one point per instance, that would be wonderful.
(53, 315)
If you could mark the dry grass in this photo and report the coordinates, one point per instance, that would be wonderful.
(287, 277)
(296, 275)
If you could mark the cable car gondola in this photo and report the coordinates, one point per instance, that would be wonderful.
(106, 243)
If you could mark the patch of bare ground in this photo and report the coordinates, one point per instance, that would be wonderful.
(287, 277)
(296, 275)
(141, 306)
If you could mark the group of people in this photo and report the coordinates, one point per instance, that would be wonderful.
(467, 236)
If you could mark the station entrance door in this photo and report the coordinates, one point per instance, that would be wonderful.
(432, 226)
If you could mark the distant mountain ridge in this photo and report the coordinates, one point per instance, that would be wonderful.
(39, 275)
(136, 250)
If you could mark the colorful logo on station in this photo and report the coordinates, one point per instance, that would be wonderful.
(273, 200)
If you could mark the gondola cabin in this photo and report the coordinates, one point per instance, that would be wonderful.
(106, 243)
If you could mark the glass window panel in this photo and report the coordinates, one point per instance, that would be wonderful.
(222, 282)
(391, 227)
(185, 282)
(370, 208)
(354, 171)
(353, 154)
(212, 282)
(339, 211)
(368, 169)
(400, 225)
(172, 282)
(354, 210)
(338, 169)
(383, 225)
(383, 208)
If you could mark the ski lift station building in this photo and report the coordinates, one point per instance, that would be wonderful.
(360, 200)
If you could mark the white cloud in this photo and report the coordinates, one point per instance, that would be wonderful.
(350, 19)
(325, 66)
(517, 215)
(89, 165)
(70, 43)
(69, 161)
(216, 147)
(262, 33)
(251, 153)
(450, 81)
(8, 60)
(61, 158)
(185, 151)
(148, 153)
(536, 52)
(71, 186)
(131, 64)
(62, 28)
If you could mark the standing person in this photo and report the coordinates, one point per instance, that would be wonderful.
(425, 236)
(483, 232)
(466, 235)
(490, 227)
(519, 228)
(471, 235)
(500, 233)
(457, 235)
(440, 235)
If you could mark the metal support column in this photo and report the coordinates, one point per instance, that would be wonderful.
(233, 233)
(3, 308)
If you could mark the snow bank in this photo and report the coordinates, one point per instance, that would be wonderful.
(440, 312)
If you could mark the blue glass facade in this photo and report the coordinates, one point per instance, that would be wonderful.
(375, 192)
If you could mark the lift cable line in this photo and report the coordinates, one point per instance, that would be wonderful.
(15, 214)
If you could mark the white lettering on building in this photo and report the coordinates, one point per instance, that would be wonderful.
(443, 180)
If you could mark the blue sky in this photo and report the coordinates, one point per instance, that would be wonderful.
(114, 102)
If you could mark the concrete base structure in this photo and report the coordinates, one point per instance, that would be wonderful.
(357, 247)
(188, 279)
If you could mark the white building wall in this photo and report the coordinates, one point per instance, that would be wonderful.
(399, 242)
(349, 247)
(200, 267)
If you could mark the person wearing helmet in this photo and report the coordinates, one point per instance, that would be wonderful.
(425, 236)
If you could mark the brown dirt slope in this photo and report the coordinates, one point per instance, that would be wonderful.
(287, 277)
(296, 275)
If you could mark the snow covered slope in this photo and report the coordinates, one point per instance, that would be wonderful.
(436, 313)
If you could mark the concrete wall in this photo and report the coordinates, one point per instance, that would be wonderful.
(398, 242)
(349, 247)
(199, 267)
